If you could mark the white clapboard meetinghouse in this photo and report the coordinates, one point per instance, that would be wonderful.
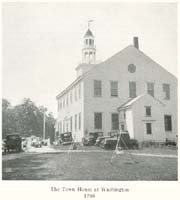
(129, 91)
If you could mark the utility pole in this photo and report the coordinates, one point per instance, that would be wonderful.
(44, 125)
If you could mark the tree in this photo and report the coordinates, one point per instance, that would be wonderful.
(8, 118)
(26, 119)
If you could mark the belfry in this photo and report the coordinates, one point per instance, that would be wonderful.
(89, 49)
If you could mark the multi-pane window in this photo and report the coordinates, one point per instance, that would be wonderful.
(148, 111)
(148, 128)
(71, 124)
(79, 121)
(168, 122)
(79, 90)
(75, 124)
(124, 114)
(150, 88)
(60, 128)
(67, 99)
(67, 127)
(60, 104)
(97, 88)
(132, 89)
(98, 120)
(166, 90)
(63, 102)
(71, 96)
(75, 93)
(63, 126)
(114, 88)
(115, 121)
(122, 127)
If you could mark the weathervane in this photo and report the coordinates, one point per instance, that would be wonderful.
(89, 21)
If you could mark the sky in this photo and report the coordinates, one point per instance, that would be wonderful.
(42, 42)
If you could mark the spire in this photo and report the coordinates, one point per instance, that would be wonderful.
(89, 50)
(88, 33)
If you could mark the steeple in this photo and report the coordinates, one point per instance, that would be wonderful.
(89, 49)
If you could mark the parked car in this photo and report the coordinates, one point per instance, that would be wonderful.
(4, 149)
(23, 143)
(108, 142)
(13, 142)
(100, 139)
(121, 139)
(91, 138)
(36, 142)
(66, 138)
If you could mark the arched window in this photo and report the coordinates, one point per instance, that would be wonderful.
(90, 54)
(90, 42)
(86, 55)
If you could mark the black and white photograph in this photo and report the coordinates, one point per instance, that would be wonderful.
(89, 91)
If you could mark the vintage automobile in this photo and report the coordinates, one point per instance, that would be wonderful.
(108, 142)
(13, 142)
(121, 140)
(100, 139)
(4, 149)
(36, 142)
(23, 143)
(66, 138)
(91, 138)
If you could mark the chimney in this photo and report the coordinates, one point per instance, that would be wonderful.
(136, 42)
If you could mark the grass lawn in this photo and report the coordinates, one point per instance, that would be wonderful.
(90, 166)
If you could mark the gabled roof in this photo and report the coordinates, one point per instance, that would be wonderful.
(118, 57)
(130, 102)
(69, 87)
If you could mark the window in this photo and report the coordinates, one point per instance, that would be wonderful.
(60, 104)
(114, 88)
(86, 55)
(132, 89)
(148, 128)
(86, 41)
(97, 88)
(71, 124)
(79, 121)
(75, 122)
(67, 100)
(67, 127)
(79, 90)
(122, 127)
(71, 96)
(60, 128)
(166, 90)
(98, 120)
(115, 121)
(168, 123)
(148, 111)
(150, 89)
(63, 102)
(75, 93)
(124, 114)
(63, 126)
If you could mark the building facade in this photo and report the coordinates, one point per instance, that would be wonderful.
(95, 101)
